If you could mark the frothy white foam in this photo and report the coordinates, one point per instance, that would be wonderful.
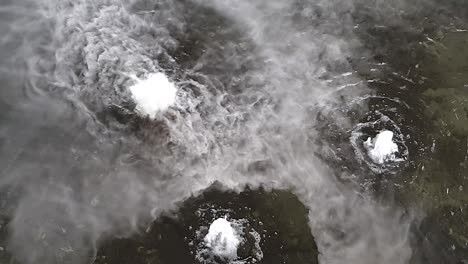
(154, 94)
(382, 148)
(222, 239)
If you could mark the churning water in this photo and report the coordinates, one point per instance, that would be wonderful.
(113, 112)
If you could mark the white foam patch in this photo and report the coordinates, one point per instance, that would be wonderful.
(258, 249)
(381, 148)
(154, 94)
(222, 239)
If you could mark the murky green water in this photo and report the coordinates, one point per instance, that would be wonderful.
(427, 69)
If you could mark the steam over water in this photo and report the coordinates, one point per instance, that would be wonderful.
(78, 165)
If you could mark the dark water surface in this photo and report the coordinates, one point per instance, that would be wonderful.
(275, 101)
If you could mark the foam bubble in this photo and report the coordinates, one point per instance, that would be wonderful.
(381, 148)
(222, 239)
(154, 94)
